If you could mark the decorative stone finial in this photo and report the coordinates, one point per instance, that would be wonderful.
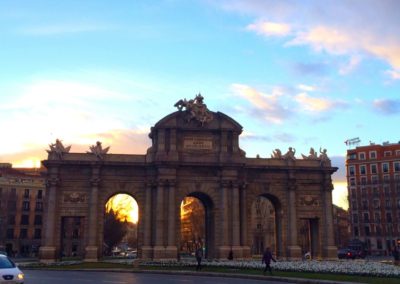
(98, 150)
(57, 149)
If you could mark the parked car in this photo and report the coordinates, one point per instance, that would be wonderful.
(346, 253)
(9, 272)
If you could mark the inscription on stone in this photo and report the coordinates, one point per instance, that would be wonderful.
(197, 143)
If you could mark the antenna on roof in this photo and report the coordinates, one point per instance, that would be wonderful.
(354, 141)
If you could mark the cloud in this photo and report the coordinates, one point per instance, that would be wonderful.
(314, 104)
(368, 28)
(393, 74)
(306, 88)
(387, 106)
(269, 28)
(350, 66)
(282, 137)
(264, 106)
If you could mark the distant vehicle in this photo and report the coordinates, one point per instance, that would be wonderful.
(131, 254)
(347, 253)
(9, 272)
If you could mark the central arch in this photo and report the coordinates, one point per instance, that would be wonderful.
(206, 214)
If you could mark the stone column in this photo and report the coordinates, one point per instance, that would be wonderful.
(91, 251)
(147, 250)
(243, 223)
(236, 248)
(171, 250)
(294, 250)
(47, 251)
(224, 247)
(330, 248)
(159, 248)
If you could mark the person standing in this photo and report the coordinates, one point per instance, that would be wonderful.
(267, 257)
(199, 255)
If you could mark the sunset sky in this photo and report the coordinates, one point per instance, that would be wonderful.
(292, 74)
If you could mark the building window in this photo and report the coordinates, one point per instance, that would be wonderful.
(363, 180)
(396, 166)
(11, 219)
(40, 194)
(386, 179)
(355, 218)
(387, 153)
(388, 203)
(373, 169)
(379, 243)
(352, 170)
(39, 206)
(26, 193)
(385, 167)
(361, 156)
(378, 231)
(23, 234)
(38, 219)
(10, 234)
(38, 234)
(356, 232)
(25, 220)
(25, 205)
(372, 154)
(363, 170)
(389, 229)
(375, 191)
(377, 217)
(389, 217)
(397, 152)
(376, 203)
(354, 204)
(352, 156)
(367, 231)
(374, 179)
(352, 181)
(365, 204)
(366, 218)
(398, 203)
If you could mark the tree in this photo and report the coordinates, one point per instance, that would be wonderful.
(114, 229)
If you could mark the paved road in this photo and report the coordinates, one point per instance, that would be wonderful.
(79, 277)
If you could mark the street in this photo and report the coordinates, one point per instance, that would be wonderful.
(78, 277)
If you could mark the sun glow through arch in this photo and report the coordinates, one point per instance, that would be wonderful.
(125, 207)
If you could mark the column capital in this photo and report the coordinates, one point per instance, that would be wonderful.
(53, 181)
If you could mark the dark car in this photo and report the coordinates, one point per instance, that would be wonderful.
(347, 253)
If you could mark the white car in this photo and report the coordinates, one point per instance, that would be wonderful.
(9, 272)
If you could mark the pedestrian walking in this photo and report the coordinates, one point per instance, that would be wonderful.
(267, 257)
(199, 255)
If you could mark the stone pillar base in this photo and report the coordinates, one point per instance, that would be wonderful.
(147, 252)
(171, 252)
(223, 252)
(91, 254)
(330, 252)
(294, 252)
(159, 252)
(246, 252)
(237, 252)
(47, 254)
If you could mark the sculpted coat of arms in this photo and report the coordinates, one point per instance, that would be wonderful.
(195, 110)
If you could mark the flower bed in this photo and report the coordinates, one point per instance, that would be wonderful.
(365, 268)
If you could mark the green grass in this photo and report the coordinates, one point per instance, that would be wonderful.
(307, 275)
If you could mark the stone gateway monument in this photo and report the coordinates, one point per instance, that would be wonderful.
(194, 153)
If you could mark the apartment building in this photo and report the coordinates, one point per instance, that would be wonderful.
(22, 193)
(373, 176)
